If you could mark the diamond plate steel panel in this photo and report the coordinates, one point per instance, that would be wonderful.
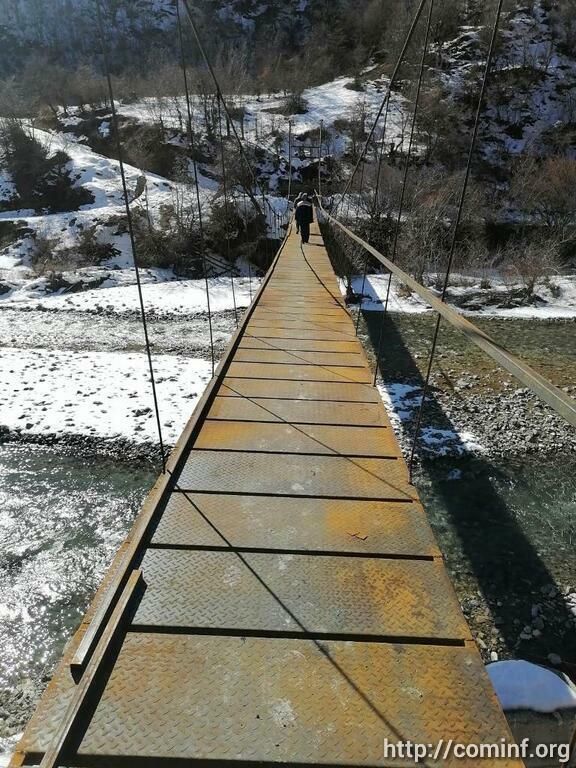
(299, 390)
(336, 321)
(299, 358)
(299, 372)
(305, 345)
(298, 438)
(269, 308)
(289, 701)
(299, 412)
(280, 333)
(293, 475)
(392, 528)
(294, 326)
(313, 594)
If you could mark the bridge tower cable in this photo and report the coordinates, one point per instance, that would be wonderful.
(320, 157)
(456, 228)
(220, 96)
(192, 146)
(387, 97)
(404, 182)
(256, 184)
(120, 154)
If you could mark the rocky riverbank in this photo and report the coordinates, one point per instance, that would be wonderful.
(473, 406)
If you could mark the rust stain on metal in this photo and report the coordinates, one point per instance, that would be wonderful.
(296, 597)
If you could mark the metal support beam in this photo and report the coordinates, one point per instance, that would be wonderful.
(558, 400)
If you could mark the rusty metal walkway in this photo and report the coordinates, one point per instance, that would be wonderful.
(281, 598)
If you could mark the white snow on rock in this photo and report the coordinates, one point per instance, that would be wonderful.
(163, 298)
(101, 394)
(7, 187)
(402, 402)
(559, 303)
(523, 685)
(375, 288)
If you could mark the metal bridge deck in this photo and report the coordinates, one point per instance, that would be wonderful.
(281, 598)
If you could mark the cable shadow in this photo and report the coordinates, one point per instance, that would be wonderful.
(406, 495)
(322, 647)
(509, 570)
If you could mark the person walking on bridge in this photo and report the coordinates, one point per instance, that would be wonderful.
(304, 217)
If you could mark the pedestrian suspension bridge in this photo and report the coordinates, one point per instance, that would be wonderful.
(281, 599)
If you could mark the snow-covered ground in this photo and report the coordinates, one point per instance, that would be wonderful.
(163, 298)
(330, 102)
(100, 394)
(558, 303)
(101, 177)
(402, 402)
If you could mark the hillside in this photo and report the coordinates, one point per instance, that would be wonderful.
(66, 30)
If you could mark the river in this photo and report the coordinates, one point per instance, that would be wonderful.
(506, 524)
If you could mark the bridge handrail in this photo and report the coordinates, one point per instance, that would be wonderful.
(558, 400)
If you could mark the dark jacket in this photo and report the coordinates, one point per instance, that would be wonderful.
(304, 212)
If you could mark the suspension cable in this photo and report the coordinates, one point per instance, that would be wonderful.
(132, 236)
(192, 145)
(455, 233)
(387, 97)
(220, 95)
(227, 213)
(404, 183)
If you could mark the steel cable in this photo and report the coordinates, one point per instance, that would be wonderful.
(395, 72)
(404, 183)
(196, 185)
(455, 233)
(119, 151)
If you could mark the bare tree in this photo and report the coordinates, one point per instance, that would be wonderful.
(545, 189)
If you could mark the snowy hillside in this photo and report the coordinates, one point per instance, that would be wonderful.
(70, 25)
(531, 103)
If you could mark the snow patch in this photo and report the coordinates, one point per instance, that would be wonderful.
(101, 394)
(402, 402)
(163, 299)
(557, 302)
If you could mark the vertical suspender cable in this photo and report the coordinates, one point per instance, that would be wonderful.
(457, 226)
(196, 185)
(245, 203)
(130, 226)
(289, 160)
(320, 158)
(404, 183)
(227, 213)
(374, 211)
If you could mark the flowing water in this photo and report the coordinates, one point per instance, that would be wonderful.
(507, 528)
(61, 520)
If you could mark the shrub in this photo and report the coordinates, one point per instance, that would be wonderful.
(43, 258)
(90, 251)
(295, 104)
(43, 181)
